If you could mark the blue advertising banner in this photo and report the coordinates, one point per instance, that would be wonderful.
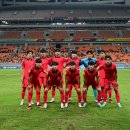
(10, 67)
(81, 67)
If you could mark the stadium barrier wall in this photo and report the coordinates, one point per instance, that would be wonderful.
(18, 66)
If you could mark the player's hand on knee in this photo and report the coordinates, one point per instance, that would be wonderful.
(99, 89)
(78, 90)
(66, 90)
(29, 86)
(46, 90)
(116, 84)
(84, 90)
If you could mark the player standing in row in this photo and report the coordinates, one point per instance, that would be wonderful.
(100, 62)
(45, 64)
(110, 79)
(54, 79)
(60, 60)
(91, 78)
(85, 63)
(27, 63)
(72, 79)
(77, 60)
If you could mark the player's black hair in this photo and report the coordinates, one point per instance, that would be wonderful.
(54, 63)
(74, 52)
(101, 51)
(28, 51)
(108, 57)
(72, 63)
(38, 60)
(57, 50)
(89, 51)
(42, 50)
(91, 63)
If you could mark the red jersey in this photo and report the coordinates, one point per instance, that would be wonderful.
(26, 65)
(110, 72)
(35, 72)
(99, 63)
(60, 61)
(73, 76)
(77, 62)
(45, 63)
(54, 77)
(90, 76)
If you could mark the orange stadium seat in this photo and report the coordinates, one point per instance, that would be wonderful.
(107, 34)
(58, 35)
(82, 34)
(11, 35)
(35, 35)
(85, 48)
(127, 34)
(112, 48)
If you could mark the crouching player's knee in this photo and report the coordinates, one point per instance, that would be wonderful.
(66, 90)
(84, 90)
(78, 90)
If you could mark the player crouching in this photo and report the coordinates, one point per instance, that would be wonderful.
(91, 78)
(72, 80)
(33, 81)
(54, 78)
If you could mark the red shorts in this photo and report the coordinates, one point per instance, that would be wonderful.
(42, 81)
(76, 86)
(51, 84)
(35, 83)
(25, 82)
(109, 83)
(94, 85)
(102, 82)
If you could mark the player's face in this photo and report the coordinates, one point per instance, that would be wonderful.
(30, 55)
(102, 55)
(57, 54)
(66, 55)
(43, 55)
(74, 56)
(90, 55)
(55, 67)
(72, 67)
(38, 65)
(108, 61)
(91, 67)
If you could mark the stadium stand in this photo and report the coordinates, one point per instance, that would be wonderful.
(93, 27)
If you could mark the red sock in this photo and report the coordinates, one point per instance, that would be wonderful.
(109, 92)
(30, 93)
(79, 97)
(23, 92)
(62, 96)
(53, 92)
(66, 97)
(38, 93)
(118, 97)
(102, 94)
(70, 93)
(99, 96)
(45, 96)
(105, 96)
(84, 97)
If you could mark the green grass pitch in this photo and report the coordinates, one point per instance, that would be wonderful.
(16, 117)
